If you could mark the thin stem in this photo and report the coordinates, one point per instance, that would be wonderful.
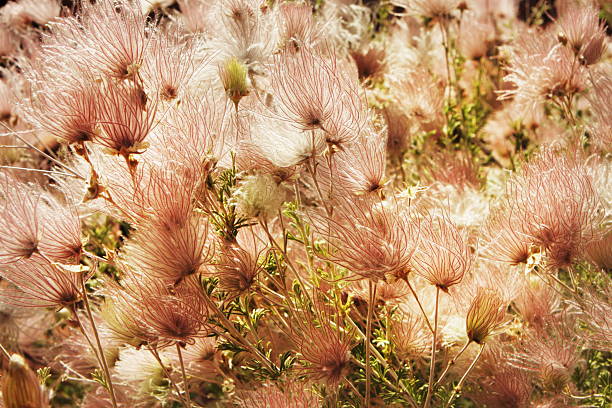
(185, 384)
(53, 159)
(311, 167)
(355, 390)
(109, 381)
(229, 326)
(452, 362)
(432, 366)
(462, 380)
(384, 363)
(155, 353)
(372, 293)
(6, 353)
(37, 170)
(419, 303)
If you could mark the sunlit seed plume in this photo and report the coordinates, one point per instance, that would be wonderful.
(259, 195)
(325, 349)
(443, 255)
(171, 255)
(39, 223)
(126, 117)
(170, 65)
(239, 264)
(24, 13)
(372, 241)
(580, 29)
(115, 37)
(411, 336)
(299, 26)
(312, 94)
(293, 395)
(40, 283)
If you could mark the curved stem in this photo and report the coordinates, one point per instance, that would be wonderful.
(462, 380)
(452, 362)
(155, 353)
(185, 384)
(432, 366)
(385, 364)
(4, 351)
(109, 381)
(372, 297)
(420, 305)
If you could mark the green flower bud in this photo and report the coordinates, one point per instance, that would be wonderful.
(486, 313)
(235, 80)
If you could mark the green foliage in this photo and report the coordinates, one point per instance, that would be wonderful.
(225, 219)
(594, 380)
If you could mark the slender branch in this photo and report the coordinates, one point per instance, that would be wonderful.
(37, 170)
(384, 363)
(452, 362)
(185, 384)
(372, 298)
(419, 303)
(355, 390)
(229, 326)
(462, 380)
(109, 381)
(432, 366)
(6, 353)
(155, 353)
(54, 160)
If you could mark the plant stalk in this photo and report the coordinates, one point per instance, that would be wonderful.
(432, 366)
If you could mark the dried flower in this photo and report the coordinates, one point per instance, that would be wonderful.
(171, 255)
(422, 99)
(370, 63)
(170, 65)
(40, 284)
(411, 337)
(325, 346)
(114, 36)
(583, 32)
(299, 28)
(23, 13)
(436, 10)
(126, 118)
(443, 255)
(176, 315)
(259, 195)
(558, 201)
(542, 70)
(20, 386)
(239, 265)
(39, 223)
(372, 241)
(314, 96)
(293, 395)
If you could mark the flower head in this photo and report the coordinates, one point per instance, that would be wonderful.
(583, 32)
(40, 283)
(443, 255)
(372, 241)
(486, 313)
